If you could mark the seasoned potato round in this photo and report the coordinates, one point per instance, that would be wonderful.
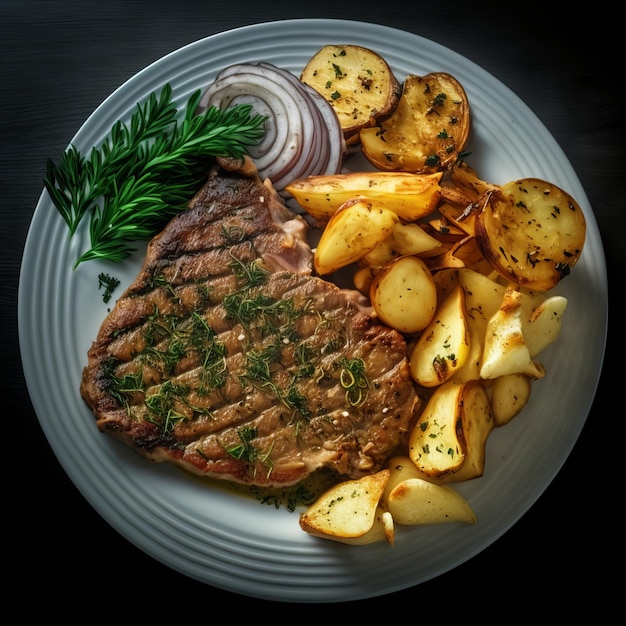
(532, 232)
(428, 129)
(356, 81)
(404, 295)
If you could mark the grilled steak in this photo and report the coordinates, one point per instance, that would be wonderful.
(227, 357)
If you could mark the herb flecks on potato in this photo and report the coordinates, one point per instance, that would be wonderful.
(428, 130)
(357, 82)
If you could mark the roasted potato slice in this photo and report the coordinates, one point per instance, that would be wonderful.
(428, 130)
(404, 295)
(531, 231)
(349, 511)
(410, 196)
(357, 82)
(411, 500)
(509, 395)
(443, 346)
(355, 229)
(448, 441)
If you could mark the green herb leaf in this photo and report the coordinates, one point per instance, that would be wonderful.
(145, 171)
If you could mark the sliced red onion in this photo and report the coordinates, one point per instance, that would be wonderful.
(303, 136)
(284, 123)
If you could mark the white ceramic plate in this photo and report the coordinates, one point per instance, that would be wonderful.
(236, 543)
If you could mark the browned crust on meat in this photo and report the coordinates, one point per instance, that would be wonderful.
(182, 372)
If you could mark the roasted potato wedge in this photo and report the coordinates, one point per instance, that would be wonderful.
(363, 278)
(405, 239)
(410, 196)
(483, 297)
(531, 232)
(357, 82)
(349, 511)
(448, 441)
(505, 350)
(466, 180)
(543, 327)
(412, 239)
(461, 217)
(381, 255)
(355, 229)
(413, 500)
(404, 295)
(427, 131)
(443, 346)
(509, 395)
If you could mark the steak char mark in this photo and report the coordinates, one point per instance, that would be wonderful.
(227, 357)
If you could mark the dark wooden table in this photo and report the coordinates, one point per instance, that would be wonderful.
(59, 61)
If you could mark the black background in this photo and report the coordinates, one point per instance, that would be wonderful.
(59, 61)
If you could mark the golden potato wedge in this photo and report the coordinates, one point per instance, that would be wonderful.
(467, 250)
(455, 196)
(509, 395)
(349, 510)
(531, 232)
(355, 229)
(461, 217)
(363, 278)
(445, 230)
(443, 260)
(383, 529)
(356, 81)
(505, 350)
(443, 346)
(445, 282)
(412, 239)
(483, 297)
(404, 295)
(467, 180)
(428, 129)
(380, 256)
(410, 196)
(434, 445)
(412, 500)
(404, 240)
(543, 327)
(448, 441)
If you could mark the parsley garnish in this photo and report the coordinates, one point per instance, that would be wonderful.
(109, 283)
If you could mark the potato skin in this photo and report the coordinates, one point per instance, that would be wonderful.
(357, 82)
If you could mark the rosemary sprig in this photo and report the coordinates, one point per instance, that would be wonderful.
(145, 171)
